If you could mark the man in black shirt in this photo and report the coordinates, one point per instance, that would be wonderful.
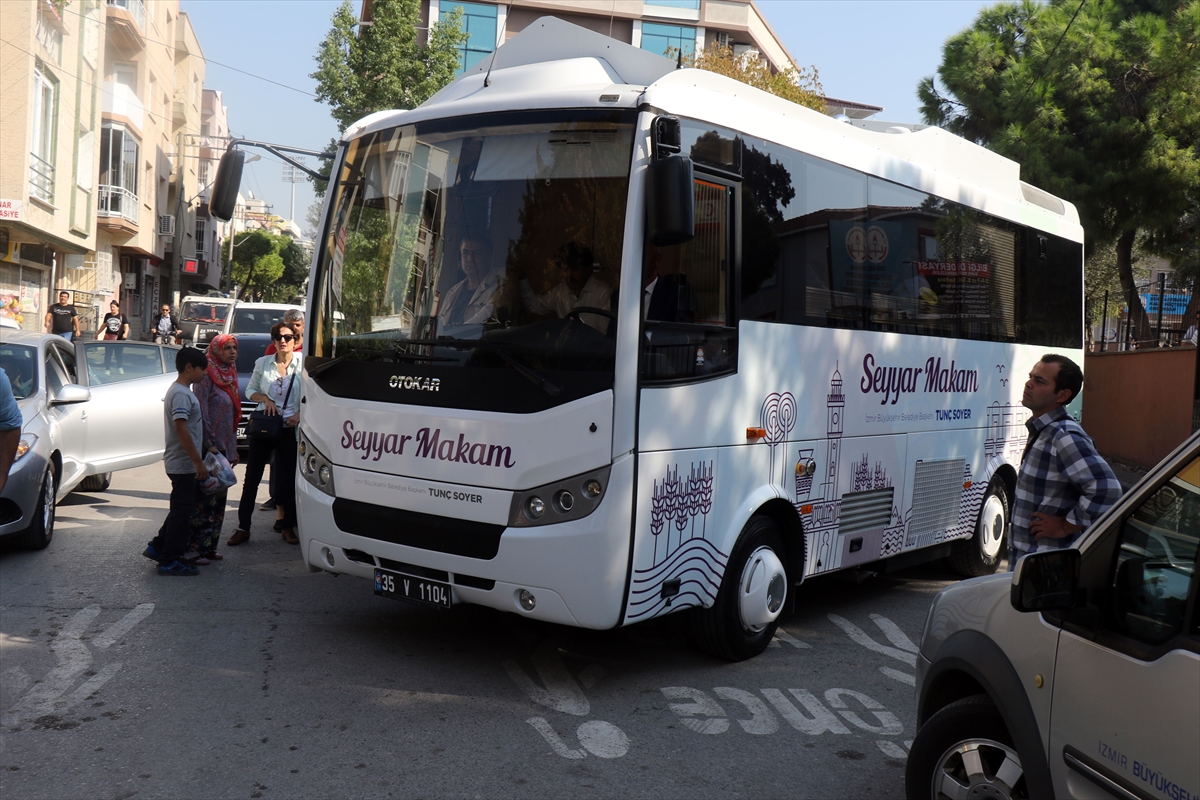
(62, 318)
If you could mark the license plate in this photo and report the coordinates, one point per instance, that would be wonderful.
(398, 586)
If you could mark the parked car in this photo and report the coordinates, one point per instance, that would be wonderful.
(258, 317)
(251, 347)
(88, 409)
(1079, 674)
(201, 317)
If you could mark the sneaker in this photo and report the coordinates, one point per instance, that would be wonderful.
(179, 568)
(269, 505)
(151, 552)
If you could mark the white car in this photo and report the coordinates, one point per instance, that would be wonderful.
(1078, 675)
(258, 317)
(88, 409)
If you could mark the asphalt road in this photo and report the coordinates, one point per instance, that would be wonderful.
(259, 679)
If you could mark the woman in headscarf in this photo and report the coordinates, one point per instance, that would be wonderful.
(221, 409)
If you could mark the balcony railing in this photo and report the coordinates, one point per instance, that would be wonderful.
(41, 178)
(117, 201)
(136, 8)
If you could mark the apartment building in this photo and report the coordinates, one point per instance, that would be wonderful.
(209, 231)
(100, 158)
(50, 63)
(660, 26)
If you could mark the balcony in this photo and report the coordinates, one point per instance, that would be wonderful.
(118, 210)
(41, 179)
(179, 107)
(118, 102)
(126, 22)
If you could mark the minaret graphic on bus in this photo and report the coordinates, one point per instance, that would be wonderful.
(834, 409)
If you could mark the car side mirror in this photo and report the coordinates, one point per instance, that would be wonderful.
(670, 201)
(1046, 581)
(71, 393)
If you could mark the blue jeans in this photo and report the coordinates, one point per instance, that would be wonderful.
(68, 335)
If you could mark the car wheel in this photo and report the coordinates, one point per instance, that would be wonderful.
(41, 530)
(981, 554)
(964, 750)
(96, 483)
(742, 621)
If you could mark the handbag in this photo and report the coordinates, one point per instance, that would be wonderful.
(262, 425)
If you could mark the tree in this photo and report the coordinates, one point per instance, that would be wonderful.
(384, 64)
(260, 260)
(1096, 99)
(801, 86)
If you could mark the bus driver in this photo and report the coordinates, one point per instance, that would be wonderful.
(471, 299)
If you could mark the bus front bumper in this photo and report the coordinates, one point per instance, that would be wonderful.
(576, 571)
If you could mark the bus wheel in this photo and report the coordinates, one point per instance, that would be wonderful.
(742, 621)
(980, 555)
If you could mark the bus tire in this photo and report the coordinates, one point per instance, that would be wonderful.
(742, 621)
(981, 554)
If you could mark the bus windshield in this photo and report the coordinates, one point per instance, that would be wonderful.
(485, 242)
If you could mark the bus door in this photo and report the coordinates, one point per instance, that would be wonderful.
(688, 361)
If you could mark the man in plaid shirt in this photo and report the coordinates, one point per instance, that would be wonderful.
(1064, 484)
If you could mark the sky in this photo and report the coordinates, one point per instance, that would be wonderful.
(260, 54)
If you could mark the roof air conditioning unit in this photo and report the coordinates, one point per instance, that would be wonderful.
(166, 224)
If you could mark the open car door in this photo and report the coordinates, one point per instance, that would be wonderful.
(125, 415)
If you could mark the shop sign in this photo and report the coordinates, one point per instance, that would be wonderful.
(10, 210)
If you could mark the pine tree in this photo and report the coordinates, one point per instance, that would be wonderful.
(1098, 100)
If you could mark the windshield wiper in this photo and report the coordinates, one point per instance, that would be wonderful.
(536, 378)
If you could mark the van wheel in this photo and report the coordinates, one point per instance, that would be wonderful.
(980, 555)
(41, 530)
(964, 750)
(96, 483)
(742, 621)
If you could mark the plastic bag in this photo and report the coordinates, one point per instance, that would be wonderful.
(220, 474)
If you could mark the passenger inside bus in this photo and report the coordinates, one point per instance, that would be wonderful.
(472, 299)
(666, 297)
(580, 287)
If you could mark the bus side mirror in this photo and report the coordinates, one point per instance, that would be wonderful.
(1046, 581)
(225, 187)
(670, 201)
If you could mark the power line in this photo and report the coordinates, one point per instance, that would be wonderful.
(206, 60)
(1050, 56)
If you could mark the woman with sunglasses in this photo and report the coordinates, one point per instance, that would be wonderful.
(275, 386)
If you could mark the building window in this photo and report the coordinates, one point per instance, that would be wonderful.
(668, 40)
(479, 22)
(201, 227)
(45, 125)
(118, 173)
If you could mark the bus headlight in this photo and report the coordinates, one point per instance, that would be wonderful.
(571, 499)
(314, 466)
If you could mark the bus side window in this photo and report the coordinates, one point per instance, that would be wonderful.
(687, 298)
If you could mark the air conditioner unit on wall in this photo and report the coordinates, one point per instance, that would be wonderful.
(166, 225)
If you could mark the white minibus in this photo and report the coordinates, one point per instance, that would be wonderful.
(594, 339)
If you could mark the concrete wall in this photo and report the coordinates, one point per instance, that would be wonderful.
(1137, 406)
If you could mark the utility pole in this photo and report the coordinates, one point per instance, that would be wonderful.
(174, 287)
(293, 176)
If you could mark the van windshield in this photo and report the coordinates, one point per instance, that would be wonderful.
(204, 311)
(490, 243)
